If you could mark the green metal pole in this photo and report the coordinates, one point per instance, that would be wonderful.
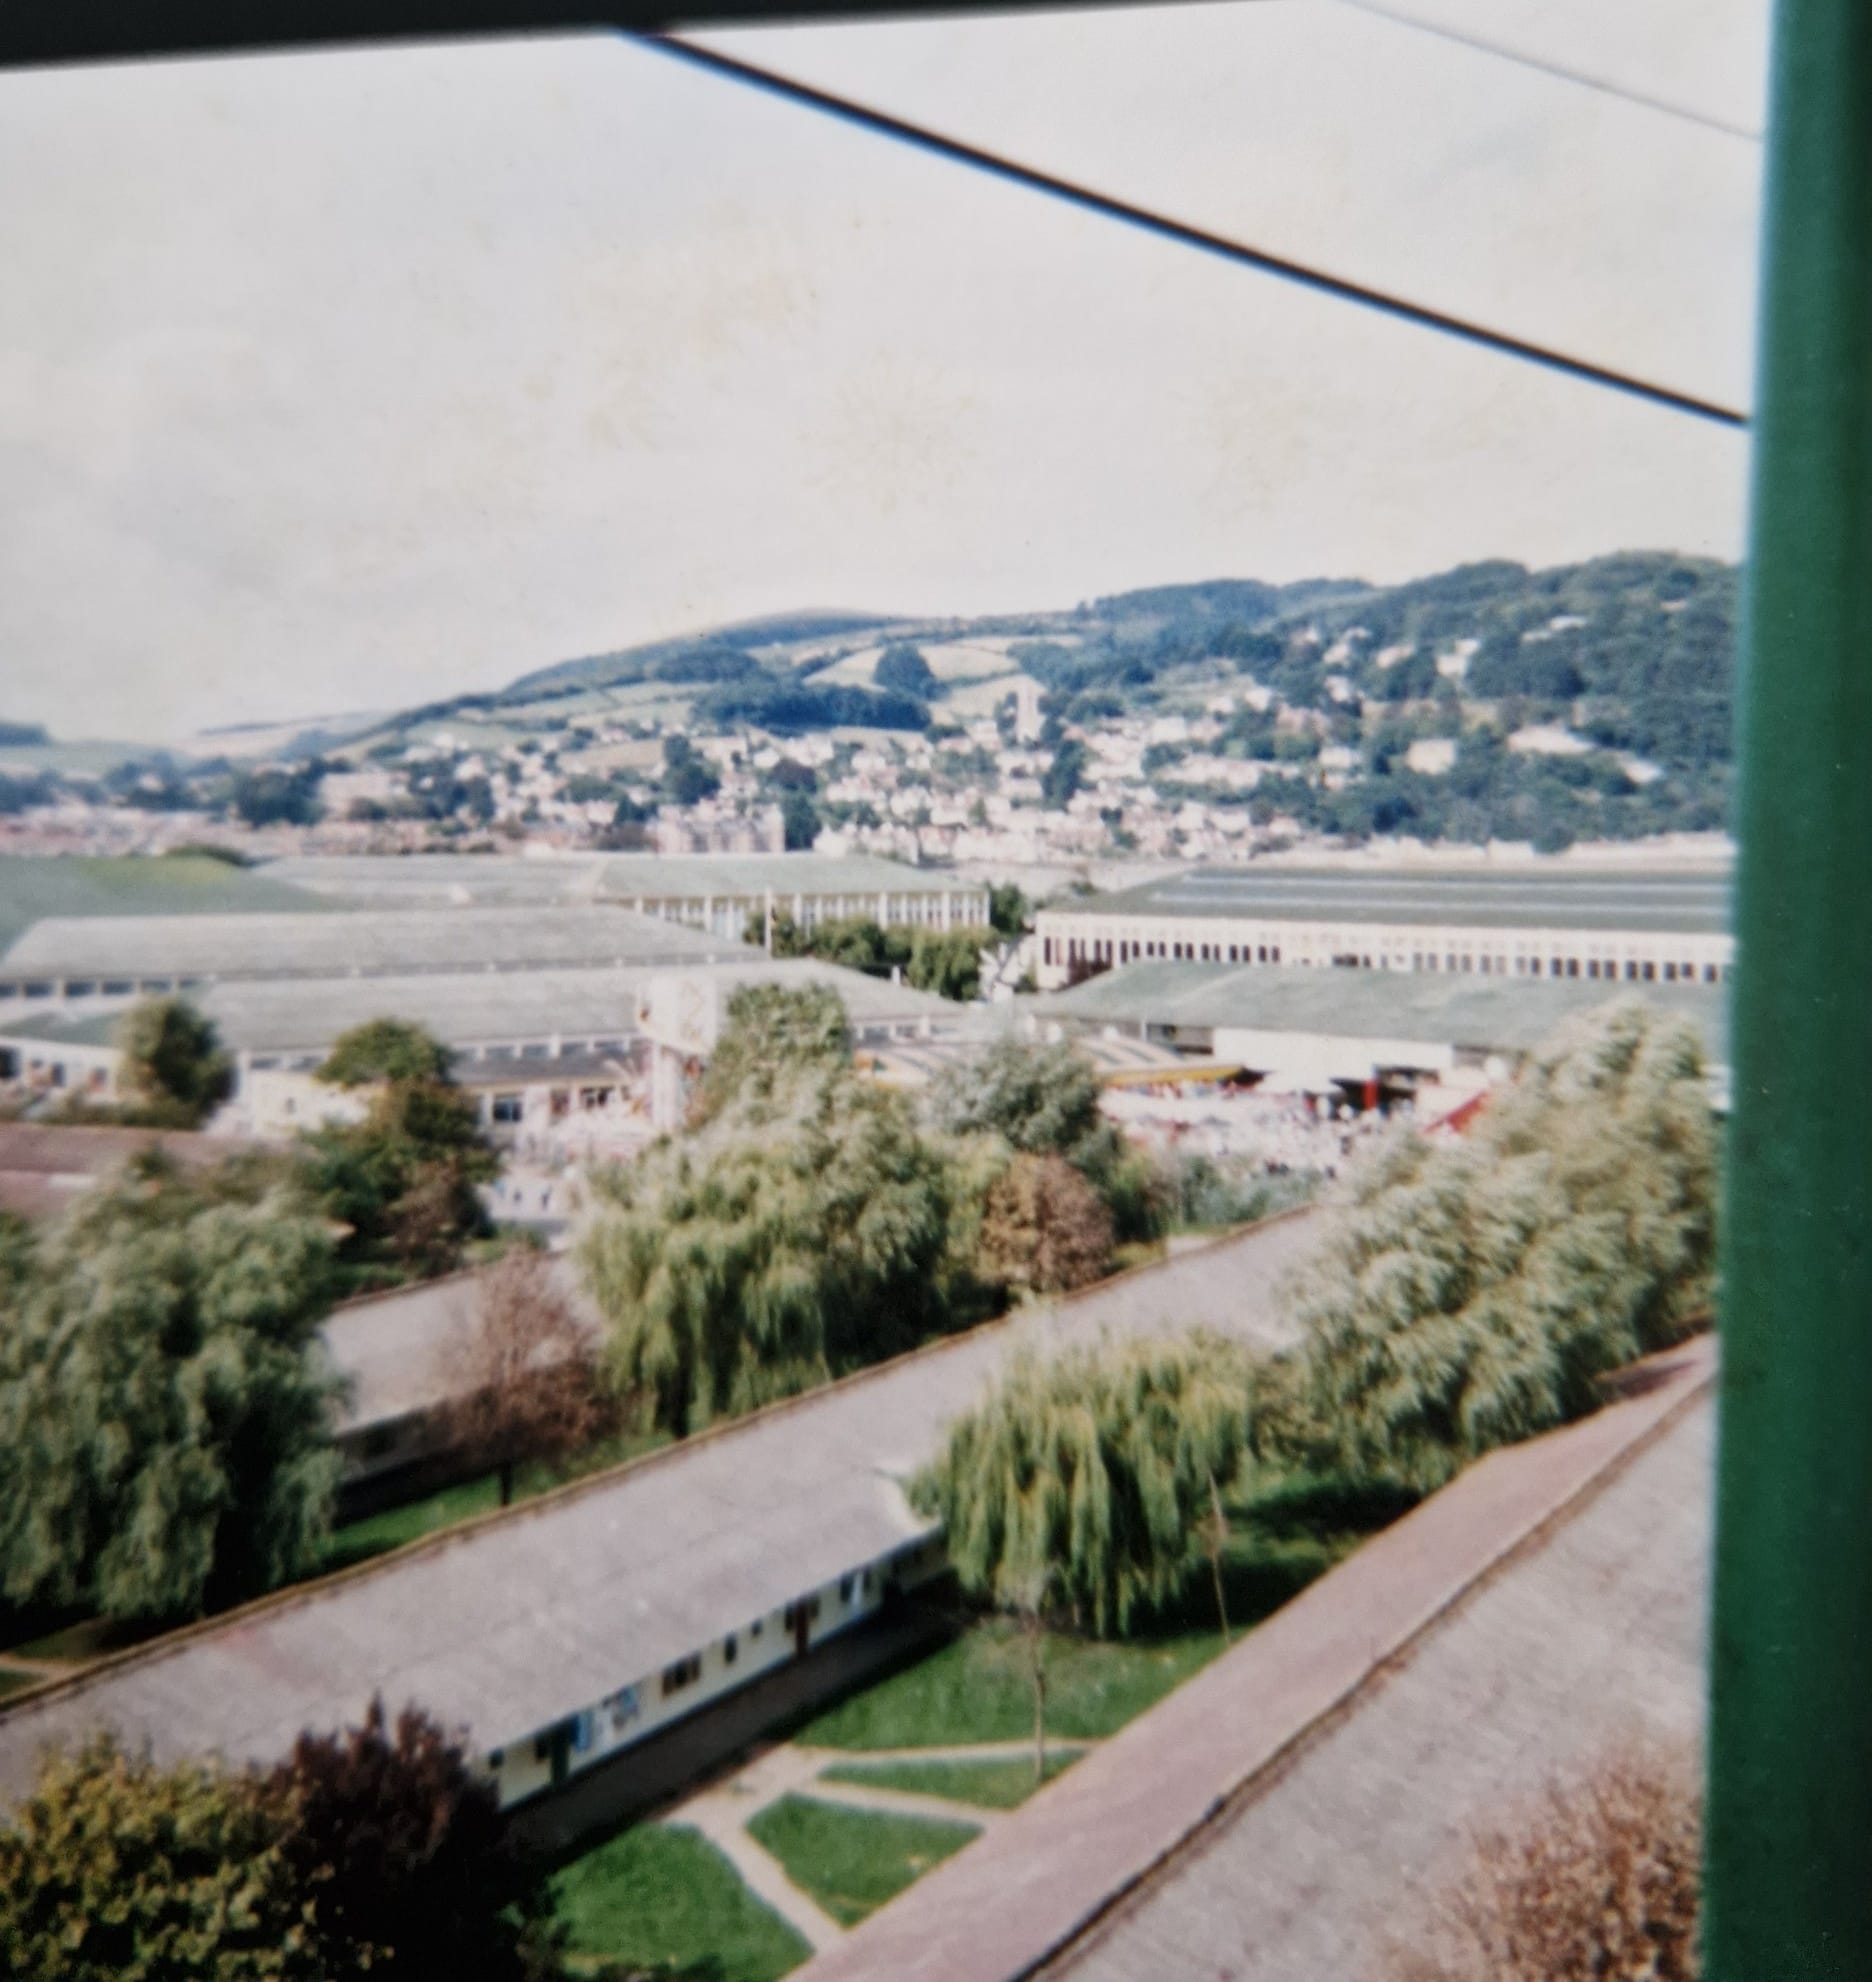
(1790, 1765)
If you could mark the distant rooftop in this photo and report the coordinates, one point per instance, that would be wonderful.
(1675, 900)
(457, 878)
(473, 1008)
(366, 942)
(1509, 1014)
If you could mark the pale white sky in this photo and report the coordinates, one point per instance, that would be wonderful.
(344, 381)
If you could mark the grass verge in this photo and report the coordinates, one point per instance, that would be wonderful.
(852, 1861)
(1287, 1530)
(662, 1900)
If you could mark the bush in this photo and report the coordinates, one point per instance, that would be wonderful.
(116, 1871)
(401, 1848)
(1599, 1880)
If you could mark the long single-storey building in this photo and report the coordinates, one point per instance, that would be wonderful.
(87, 958)
(527, 1042)
(1667, 925)
(569, 1632)
(1354, 1028)
(718, 893)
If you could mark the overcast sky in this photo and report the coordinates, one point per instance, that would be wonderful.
(344, 381)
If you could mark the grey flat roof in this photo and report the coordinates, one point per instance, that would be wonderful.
(1456, 1009)
(1690, 902)
(619, 877)
(532, 1615)
(477, 1007)
(369, 941)
(390, 1348)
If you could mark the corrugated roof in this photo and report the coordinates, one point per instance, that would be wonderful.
(1693, 902)
(471, 1008)
(1508, 1014)
(519, 1620)
(619, 877)
(367, 941)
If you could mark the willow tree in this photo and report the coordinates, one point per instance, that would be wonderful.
(800, 1232)
(1473, 1293)
(1090, 1475)
(164, 1419)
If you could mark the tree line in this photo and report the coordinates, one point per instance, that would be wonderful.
(1468, 1294)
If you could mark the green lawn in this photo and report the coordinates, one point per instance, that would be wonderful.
(11, 1681)
(133, 884)
(663, 1899)
(991, 1785)
(977, 1688)
(852, 1861)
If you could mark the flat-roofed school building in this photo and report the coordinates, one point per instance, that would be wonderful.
(86, 958)
(572, 1032)
(1666, 926)
(718, 893)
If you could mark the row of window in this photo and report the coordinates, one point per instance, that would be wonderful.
(1105, 950)
(88, 987)
(578, 1733)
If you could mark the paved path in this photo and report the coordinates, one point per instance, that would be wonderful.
(1274, 1818)
(721, 1812)
(721, 1809)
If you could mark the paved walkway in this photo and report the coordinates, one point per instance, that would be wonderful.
(721, 1810)
(1272, 1818)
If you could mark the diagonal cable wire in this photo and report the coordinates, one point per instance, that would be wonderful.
(1583, 78)
(1111, 208)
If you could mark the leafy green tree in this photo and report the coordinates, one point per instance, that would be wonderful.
(173, 1059)
(947, 962)
(275, 797)
(1008, 909)
(1473, 1293)
(800, 821)
(1043, 1099)
(1090, 1476)
(113, 1870)
(801, 1231)
(403, 1179)
(385, 1049)
(165, 1441)
(1064, 775)
(688, 777)
(903, 668)
(401, 1847)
